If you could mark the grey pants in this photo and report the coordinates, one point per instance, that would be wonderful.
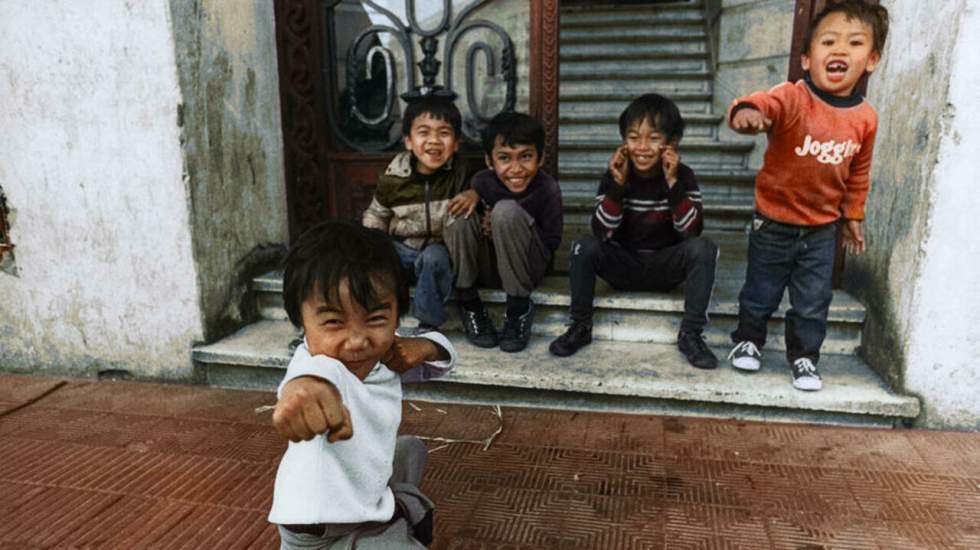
(398, 533)
(514, 258)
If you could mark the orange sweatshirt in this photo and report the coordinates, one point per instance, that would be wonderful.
(818, 162)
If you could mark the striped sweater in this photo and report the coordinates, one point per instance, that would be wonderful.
(644, 214)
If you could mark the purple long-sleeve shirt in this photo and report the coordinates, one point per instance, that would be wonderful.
(541, 199)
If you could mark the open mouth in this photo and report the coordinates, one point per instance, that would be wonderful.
(644, 159)
(836, 68)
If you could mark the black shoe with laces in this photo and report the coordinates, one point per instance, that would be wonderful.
(517, 330)
(478, 326)
(693, 346)
(579, 334)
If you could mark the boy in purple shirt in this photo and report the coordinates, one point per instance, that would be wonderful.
(506, 230)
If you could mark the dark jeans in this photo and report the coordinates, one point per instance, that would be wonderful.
(432, 272)
(780, 256)
(691, 262)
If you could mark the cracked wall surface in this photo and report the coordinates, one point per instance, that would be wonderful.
(918, 277)
(231, 136)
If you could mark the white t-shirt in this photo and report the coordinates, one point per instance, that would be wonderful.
(347, 481)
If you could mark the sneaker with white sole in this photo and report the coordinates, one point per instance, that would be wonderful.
(745, 356)
(805, 376)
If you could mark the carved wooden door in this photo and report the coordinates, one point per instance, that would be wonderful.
(346, 68)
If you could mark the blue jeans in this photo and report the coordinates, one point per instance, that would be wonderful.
(432, 273)
(781, 256)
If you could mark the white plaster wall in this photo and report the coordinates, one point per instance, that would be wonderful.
(944, 336)
(90, 159)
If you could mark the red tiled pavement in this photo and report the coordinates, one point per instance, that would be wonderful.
(132, 465)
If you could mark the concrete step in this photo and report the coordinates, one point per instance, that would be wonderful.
(664, 32)
(594, 154)
(610, 106)
(577, 17)
(642, 50)
(650, 317)
(638, 67)
(667, 86)
(584, 126)
(628, 377)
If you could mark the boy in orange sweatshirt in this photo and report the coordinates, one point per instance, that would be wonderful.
(815, 175)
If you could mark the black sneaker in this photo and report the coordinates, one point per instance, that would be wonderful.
(517, 330)
(579, 334)
(478, 326)
(693, 346)
(746, 356)
(805, 375)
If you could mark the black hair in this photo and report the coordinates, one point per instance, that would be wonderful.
(439, 108)
(875, 16)
(662, 113)
(332, 251)
(513, 129)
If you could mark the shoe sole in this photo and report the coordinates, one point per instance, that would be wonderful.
(751, 366)
(808, 384)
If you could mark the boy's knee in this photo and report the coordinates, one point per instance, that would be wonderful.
(461, 228)
(585, 248)
(435, 256)
(702, 250)
(507, 212)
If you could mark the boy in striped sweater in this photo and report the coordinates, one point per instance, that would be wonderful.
(814, 178)
(646, 230)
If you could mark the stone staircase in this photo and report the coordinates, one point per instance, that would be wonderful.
(608, 56)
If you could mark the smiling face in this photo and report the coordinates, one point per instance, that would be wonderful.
(356, 336)
(432, 141)
(841, 51)
(515, 165)
(645, 143)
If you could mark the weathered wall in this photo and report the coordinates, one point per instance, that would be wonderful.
(232, 140)
(90, 160)
(753, 54)
(918, 279)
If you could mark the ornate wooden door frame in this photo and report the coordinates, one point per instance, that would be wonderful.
(323, 180)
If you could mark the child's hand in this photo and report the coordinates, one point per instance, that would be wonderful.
(670, 159)
(750, 121)
(464, 203)
(407, 353)
(853, 235)
(311, 406)
(619, 165)
(487, 223)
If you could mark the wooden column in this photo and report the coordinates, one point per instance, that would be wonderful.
(544, 75)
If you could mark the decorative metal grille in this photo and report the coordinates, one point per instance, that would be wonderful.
(364, 109)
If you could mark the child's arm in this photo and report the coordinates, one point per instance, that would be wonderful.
(464, 203)
(377, 215)
(311, 399)
(309, 406)
(427, 356)
(758, 112)
(684, 198)
(608, 213)
(858, 184)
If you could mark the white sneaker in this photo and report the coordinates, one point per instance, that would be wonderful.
(745, 356)
(805, 376)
